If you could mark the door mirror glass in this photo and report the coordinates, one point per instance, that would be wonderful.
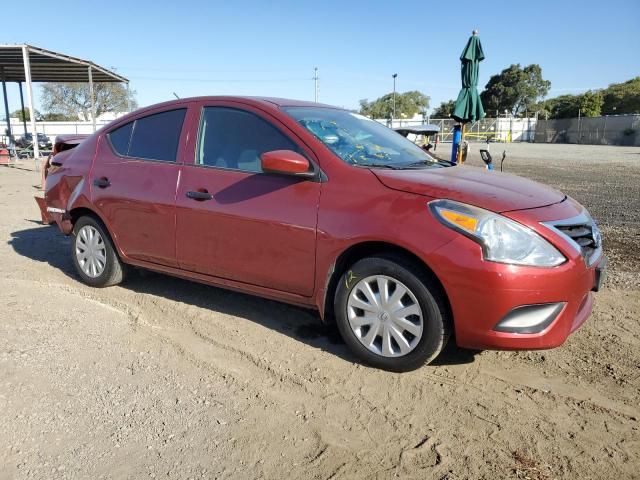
(286, 162)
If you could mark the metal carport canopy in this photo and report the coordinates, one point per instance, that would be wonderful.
(26, 63)
(48, 66)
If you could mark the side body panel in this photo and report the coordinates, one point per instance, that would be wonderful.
(258, 228)
(66, 185)
(139, 203)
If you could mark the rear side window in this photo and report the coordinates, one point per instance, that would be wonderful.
(155, 137)
(120, 138)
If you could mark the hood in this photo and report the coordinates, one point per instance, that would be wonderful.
(495, 191)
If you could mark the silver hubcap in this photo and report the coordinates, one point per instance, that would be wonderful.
(385, 316)
(91, 251)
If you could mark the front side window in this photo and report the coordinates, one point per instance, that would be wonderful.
(235, 139)
(359, 140)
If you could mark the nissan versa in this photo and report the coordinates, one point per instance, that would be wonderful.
(323, 208)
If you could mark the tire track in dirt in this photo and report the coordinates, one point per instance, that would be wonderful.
(289, 392)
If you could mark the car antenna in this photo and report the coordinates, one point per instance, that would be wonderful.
(176, 95)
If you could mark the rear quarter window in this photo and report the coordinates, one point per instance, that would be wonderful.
(120, 138)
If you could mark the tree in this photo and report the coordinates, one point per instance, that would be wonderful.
(622, 98)
(444, 110)
(407, 105)
(515, 89)
(74, 101)
(27, 115)
(588, 104)
(57, 117)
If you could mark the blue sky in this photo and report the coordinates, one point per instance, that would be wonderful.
(270, 47)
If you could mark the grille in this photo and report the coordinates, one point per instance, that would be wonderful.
(584, 234)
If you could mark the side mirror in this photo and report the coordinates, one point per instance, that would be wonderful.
(286, 162)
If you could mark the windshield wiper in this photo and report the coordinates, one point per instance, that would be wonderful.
(380, 165)
(442, 163)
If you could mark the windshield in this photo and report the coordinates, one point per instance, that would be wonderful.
(359, 140)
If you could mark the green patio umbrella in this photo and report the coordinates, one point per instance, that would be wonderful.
(468, 106)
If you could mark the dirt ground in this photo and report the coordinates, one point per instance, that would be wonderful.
(164, 378)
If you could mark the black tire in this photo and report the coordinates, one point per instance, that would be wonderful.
(427, 292)
(114, 269)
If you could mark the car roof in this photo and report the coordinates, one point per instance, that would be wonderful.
(268, 102)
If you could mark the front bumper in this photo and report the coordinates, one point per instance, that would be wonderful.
(482, 293)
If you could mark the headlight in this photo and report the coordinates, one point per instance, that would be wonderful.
(502, 240)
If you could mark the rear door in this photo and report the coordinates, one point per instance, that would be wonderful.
(134, 181)
(254, 228)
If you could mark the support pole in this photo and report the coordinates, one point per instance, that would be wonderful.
(459, 160)
(24, 117)
(93, 99)
(579, 126)
(6, 107)
(128, 99)
(27, 74)
(455, 144)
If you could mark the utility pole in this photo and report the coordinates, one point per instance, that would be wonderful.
(393, 115)
(315, 83)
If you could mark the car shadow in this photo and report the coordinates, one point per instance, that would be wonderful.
(454, 355)
(46, 244)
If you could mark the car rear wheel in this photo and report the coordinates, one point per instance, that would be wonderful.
(392, 315)
(94, 256)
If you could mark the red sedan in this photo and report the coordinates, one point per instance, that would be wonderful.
(323, 208)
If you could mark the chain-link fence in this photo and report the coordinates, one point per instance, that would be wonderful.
(607, 130)
(503, 129)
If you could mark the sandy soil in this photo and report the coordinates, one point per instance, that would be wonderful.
(163, 378)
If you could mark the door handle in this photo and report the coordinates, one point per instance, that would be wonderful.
(102, 182)
(199, 196)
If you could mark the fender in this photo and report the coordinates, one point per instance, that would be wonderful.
(81, 202)
(61, 193)
(356, 248)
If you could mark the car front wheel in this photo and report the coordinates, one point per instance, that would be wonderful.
(94, 255)
(391, 314)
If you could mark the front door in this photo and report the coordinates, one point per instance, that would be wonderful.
(134, 181)
(248, 226)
